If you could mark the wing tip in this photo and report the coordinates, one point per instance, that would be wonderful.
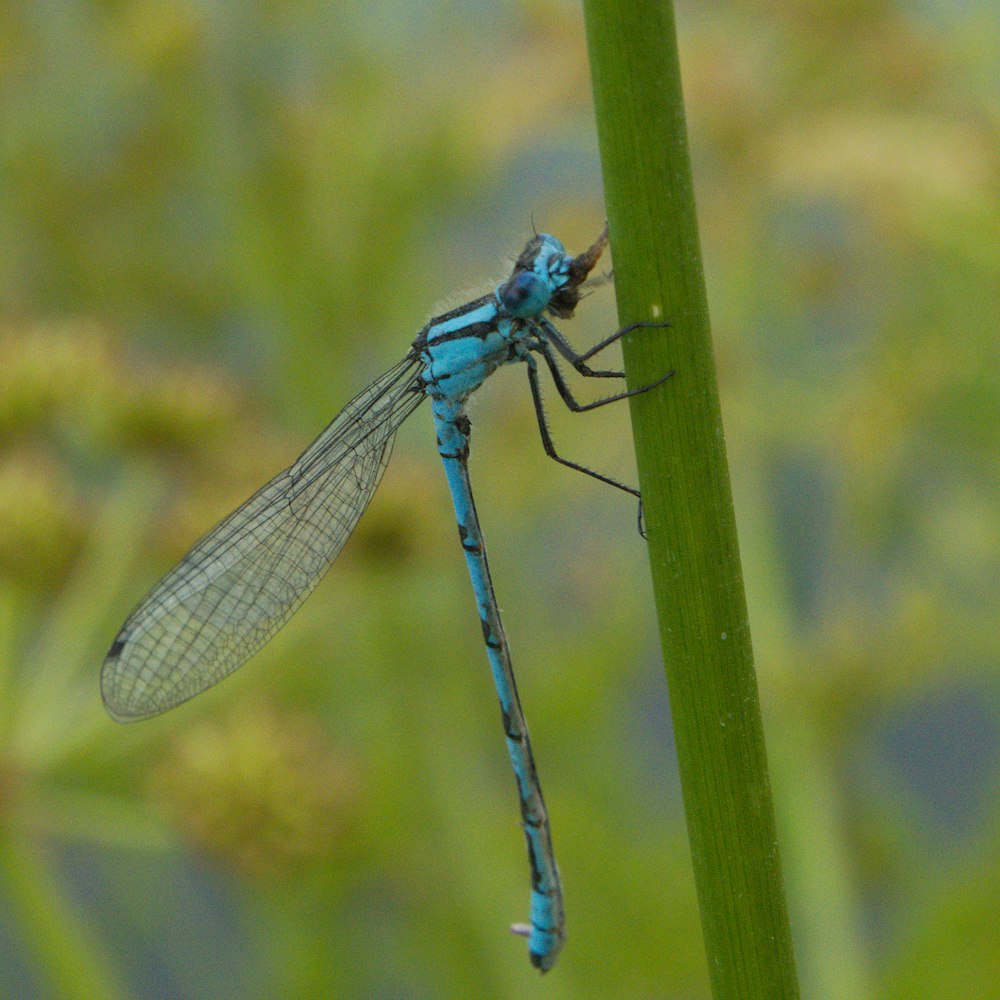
(116, 706)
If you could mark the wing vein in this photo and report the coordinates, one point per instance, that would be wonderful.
(249, 574)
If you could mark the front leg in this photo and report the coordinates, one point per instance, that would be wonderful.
(579, 361)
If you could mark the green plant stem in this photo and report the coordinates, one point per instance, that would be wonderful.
(693, 548)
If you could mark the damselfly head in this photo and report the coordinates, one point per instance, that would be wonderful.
(538, 271)
(546, 277)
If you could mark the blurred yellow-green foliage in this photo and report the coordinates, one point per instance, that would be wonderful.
(217, 221)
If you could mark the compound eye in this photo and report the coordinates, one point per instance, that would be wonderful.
(525, 294)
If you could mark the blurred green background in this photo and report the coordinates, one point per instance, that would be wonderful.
(218, 221)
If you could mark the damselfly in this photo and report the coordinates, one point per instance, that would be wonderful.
(233, 591)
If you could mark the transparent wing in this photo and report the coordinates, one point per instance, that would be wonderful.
(233, 591)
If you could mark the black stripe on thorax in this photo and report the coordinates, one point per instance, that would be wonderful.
(465, 307)
(478, 331)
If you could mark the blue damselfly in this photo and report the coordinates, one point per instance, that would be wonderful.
(240, 584)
